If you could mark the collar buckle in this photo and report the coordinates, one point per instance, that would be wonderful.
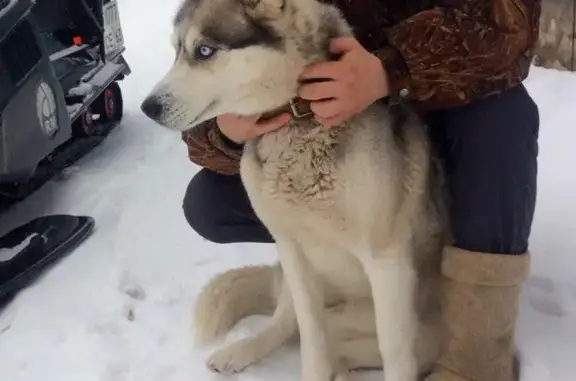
(300, 109)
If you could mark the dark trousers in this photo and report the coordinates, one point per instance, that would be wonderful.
(489, 150)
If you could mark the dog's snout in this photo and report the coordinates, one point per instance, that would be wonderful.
(152, 107)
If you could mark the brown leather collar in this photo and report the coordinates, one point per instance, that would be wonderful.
(298, 108)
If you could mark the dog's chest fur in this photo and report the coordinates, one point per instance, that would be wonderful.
(299, 163)
(307, 178)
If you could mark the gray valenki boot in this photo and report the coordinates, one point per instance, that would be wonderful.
(480, 308)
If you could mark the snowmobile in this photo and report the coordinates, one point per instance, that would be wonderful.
(60, 66)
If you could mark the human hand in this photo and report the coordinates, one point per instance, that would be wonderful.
(240, 129)
(350, 84)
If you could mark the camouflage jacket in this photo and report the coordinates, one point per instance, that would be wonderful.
(440, 54)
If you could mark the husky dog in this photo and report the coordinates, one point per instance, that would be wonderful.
(353, 209)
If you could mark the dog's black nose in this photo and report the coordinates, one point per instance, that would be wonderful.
(152, 108)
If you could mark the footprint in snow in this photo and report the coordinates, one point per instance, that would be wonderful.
(131, 287)
(543, 296)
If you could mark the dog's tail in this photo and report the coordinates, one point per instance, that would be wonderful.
(231, 296)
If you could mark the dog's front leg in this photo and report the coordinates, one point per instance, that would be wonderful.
(318, 362)
(393, 281)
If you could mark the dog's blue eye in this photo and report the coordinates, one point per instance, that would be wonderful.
(204, 52)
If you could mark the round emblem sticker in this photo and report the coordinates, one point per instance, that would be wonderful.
(47, 109)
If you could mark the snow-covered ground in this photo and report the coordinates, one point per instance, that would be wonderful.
(118, 308)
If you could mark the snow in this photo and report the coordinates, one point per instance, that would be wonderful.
(119, 307)
(83, 89)
(73, 108)
(7, 253)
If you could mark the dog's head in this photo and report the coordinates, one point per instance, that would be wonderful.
(240, 56)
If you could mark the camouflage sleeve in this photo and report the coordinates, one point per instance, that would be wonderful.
(460, 50)
(208, 148)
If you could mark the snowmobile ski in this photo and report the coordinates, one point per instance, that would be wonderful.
(39, 244)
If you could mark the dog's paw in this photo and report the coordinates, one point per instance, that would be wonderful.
(231, 359)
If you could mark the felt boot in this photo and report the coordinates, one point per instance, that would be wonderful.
(480, 307)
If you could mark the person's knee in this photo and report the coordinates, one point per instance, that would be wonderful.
(200, 210)
(218, 209)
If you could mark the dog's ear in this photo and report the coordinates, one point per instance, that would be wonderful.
(268, 9)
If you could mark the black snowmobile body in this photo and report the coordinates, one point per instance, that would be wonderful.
(60, 61)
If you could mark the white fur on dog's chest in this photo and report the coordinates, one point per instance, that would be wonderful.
(307, 175)
(295, 187)
(294, 181)
(299, 168)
